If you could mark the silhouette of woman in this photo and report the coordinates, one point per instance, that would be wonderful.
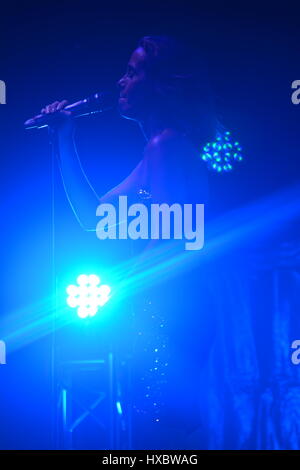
(166, 91)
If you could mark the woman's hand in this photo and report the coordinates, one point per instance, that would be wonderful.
(63, 121)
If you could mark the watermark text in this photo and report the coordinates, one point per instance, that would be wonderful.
(159, 221)
(2, 352)
(2, 92)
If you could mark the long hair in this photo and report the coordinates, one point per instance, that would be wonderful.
(182, 86)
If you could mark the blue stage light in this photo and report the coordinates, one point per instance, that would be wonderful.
(88, 295)
(222, 154)
(119, 407)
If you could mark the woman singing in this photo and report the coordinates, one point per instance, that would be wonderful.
(164, 90)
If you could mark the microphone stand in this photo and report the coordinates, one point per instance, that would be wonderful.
(53, 143)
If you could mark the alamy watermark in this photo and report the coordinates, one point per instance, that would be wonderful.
(295, 358)
(154, 221)
(295, 97)
(2, 352)
(2, 92)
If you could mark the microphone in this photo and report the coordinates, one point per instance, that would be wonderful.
(96, 103)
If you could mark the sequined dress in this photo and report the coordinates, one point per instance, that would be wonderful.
(150, 350)
(167, 353)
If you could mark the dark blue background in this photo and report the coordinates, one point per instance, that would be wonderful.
(68, 49)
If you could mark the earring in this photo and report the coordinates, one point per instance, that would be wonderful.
(222, 154)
